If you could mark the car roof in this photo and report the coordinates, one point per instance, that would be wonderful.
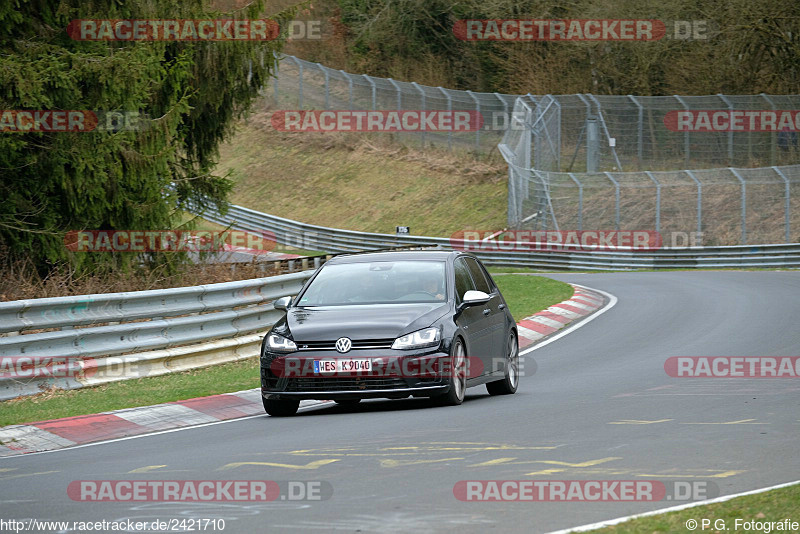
(395, 255)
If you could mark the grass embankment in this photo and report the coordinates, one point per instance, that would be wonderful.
(358, 183)
(776, 505)
(525, 295)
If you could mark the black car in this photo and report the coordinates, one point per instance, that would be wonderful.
(390, 325)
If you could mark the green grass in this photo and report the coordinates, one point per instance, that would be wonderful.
(775, 505)
(525, 295)
(224, 378)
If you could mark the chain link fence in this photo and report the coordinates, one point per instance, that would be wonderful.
(602, 162)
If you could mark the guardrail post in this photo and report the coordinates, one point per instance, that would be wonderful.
(744, 203)
(788, 208)
(304, 263)
(291, 266)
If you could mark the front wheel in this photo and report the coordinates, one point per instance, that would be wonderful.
(280, 407)
(458, 377)
(508, 385)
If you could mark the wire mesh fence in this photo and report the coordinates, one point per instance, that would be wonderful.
(594, 161)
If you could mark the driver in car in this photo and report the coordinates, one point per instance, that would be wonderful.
(431, 286)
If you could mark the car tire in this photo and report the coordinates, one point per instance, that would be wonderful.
(280, 407)
(347, 402)
(509, 383)
(458, 376)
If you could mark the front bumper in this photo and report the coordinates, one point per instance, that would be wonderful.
(412, 373)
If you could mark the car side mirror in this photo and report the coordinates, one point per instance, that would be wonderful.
(474, 298)
(282, 303)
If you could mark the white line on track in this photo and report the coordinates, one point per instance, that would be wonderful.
(610, 522)
(612, 301)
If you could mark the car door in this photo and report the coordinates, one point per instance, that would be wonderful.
(475, 323)
(495, 317)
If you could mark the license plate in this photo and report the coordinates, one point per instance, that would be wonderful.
(348, 365)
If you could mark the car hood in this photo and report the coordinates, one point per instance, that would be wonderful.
(374, 321)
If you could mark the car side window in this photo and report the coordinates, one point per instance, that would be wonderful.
(463, 280)
(477, 275)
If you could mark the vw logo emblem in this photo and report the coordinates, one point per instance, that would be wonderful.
(343, 344)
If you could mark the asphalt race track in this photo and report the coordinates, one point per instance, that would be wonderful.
(599, 406)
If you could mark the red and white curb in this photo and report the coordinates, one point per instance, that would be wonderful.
(84, 429)
(540, 325)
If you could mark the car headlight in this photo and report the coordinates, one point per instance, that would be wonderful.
(427, 337)
(280, 344)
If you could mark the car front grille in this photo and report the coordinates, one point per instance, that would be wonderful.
(344, 383)
(357, 344)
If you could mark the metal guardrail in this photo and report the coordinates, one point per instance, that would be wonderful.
(156, 331)
(308, 236)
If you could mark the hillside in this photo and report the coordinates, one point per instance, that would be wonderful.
(360, 183)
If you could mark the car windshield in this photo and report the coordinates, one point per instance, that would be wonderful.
(377, 282)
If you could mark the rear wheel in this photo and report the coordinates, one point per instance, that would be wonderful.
(510, 381)
(458, 376)
(280, 407)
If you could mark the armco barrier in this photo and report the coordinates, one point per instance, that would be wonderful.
(334, 240)
(146, 332)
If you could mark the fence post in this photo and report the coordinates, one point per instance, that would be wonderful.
(478, 110)
(773, 149)
(744, 203)
(605, 129)
(327, 87)
(580, 200)
(616, 198)
(658, 200)
(685, 135)
(450, 110)
(399, 93)
(730, 131)
(699, 200)
(640, 133)
(374, 95)
(300, 82)
(506, 116)
(788, 205)
(422, 95)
